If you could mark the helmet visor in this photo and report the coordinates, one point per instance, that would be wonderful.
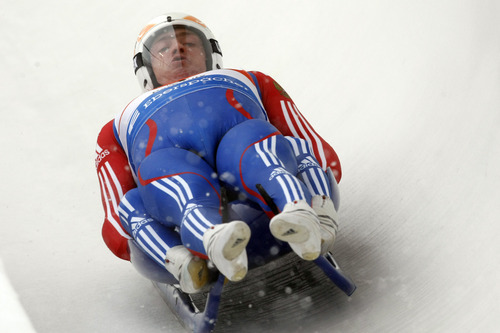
(175, 52)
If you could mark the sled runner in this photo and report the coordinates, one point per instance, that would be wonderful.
(199, 312)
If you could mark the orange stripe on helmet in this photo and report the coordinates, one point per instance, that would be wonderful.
(195, 20)
(144, 31)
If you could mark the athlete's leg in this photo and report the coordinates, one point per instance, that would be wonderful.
(154, 238)
(308, 168)
(318, 183)
(162, 244)
(180, 189)
(254, 154)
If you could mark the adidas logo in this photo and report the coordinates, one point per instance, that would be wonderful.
(276, 172)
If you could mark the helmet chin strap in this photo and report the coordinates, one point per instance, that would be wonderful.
(215, 46)
(146, 78)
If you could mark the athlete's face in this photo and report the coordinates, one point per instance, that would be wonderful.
(177, 54)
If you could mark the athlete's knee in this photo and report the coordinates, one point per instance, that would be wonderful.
(252, 139)
(247, 133)
(252, 129)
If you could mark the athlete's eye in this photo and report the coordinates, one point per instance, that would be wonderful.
(163, 50)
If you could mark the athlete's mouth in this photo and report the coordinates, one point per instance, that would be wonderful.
(179, 58)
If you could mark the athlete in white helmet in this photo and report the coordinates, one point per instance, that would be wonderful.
(172, 47)
(157, 159)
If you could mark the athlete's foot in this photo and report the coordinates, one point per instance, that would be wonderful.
(191, 271)
(225, 246)
(298, 225)
(328, 218)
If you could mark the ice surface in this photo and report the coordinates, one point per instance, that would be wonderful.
(408, 93)
(12, 316)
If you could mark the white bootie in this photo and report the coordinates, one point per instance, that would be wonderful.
(328, 217)
(225, 246)
(191, 271)
(298, 225)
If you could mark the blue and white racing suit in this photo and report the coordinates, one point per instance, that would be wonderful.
(186, 140)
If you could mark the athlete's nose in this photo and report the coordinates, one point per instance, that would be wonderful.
(178, 48)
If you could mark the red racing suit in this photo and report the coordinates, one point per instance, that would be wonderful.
(116, 178)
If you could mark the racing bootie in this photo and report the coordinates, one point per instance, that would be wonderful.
(328, 217)
(191, 271)
(298, 225)
(225, 245)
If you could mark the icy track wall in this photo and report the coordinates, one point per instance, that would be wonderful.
(407, 92)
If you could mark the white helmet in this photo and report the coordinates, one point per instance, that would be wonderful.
(142, 56)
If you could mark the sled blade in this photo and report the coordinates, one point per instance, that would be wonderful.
(205, 321)
(330, 267)
(183, 307)
(179, 303)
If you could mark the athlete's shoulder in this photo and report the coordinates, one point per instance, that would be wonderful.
(268, 84)
(122, 118)
(106, 135)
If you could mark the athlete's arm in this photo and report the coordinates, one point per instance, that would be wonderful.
(115, 179)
